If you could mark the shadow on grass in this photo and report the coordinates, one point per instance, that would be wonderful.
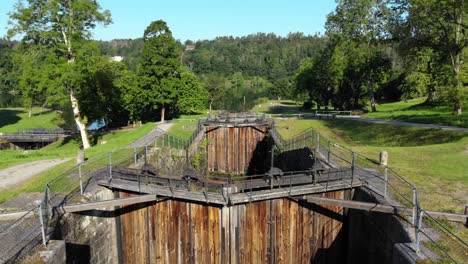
(390, 135)
(76, 139)
(8, 117)
(45, 112)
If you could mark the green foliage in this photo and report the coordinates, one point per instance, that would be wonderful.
(199, 159)
(440, 26)
(7, 74)
(267, 56)
(46, 22)
(192, 95)
(159, 66)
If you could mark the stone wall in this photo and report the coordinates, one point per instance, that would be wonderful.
(91, 237)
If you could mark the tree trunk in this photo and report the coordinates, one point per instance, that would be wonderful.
(79, 122)
(30, 112)
(457, 61)
(211, 102)
(431, 95)
(371, 95)
(163, 111)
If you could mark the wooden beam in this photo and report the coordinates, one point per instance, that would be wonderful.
(389, 209)
(73, 208)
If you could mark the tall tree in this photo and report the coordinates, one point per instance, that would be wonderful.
(159, 67)
(61, 26)
(361, 21)
(442, 26)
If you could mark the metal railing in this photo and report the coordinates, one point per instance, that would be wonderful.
(194, 135)
(434, 240)
(31, 229)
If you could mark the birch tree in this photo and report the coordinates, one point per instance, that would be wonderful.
(60, 25)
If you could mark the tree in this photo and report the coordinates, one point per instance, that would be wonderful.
(216, 86)
(7, 75)
(62, 26)
(442, 26)
(159, 67)
(192, 95)
(362, 22)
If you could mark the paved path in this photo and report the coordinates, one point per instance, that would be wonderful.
(151, 136)
(16, 174)
(401, 123)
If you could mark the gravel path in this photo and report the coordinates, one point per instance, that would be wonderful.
(16, 174)
(402, 123)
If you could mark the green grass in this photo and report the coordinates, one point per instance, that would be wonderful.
(278, 107)
(183, 126)
(417, 112)
(12, 119)
(65, 148)
(434, 160)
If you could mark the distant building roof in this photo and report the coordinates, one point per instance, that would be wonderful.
(189, 47)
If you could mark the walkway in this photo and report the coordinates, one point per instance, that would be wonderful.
(19, 173)
(402, 123)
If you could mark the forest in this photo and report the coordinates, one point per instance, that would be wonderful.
(372, 51)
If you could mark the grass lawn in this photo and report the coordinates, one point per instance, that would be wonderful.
(12, 119)
(415, 111)
(278, 107)
(434, 160)
(183, 126)
(65, 148)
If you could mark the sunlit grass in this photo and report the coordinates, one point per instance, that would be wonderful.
(417, 112)
(14, 119)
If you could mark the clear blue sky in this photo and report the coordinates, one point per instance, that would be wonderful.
(206, 19)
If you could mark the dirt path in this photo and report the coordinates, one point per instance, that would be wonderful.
(16, 174)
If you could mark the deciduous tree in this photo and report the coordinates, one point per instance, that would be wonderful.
(62, 26)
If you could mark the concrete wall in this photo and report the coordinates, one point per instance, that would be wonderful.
(90, 237)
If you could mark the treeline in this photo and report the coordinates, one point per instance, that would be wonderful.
(380, 50)
(237, 71)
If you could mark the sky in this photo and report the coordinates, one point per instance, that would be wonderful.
(206, 19)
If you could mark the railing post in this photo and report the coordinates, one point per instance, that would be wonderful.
(43, 228)
(110, 166)
(146, 153)
(318, 142)
(47, 199)
(328, 153)
(304, 139)
(135, 154)
(415, 206)
(352, 168)
(81, 181)
(386, 181)
(417, 229)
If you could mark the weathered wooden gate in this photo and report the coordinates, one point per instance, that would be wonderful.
(230, 149)
(274, 231)
(233, 141)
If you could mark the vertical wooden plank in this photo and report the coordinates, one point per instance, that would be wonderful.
(234, 225)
